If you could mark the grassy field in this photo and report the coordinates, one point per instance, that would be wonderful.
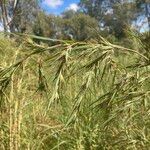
(70, 95)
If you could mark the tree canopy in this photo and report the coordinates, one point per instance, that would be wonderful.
(109, 17)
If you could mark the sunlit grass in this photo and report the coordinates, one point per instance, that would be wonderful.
(73, 95)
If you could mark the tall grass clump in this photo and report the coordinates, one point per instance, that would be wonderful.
(74, 95)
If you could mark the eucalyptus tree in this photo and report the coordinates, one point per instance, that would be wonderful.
(122, 15)
(94, 8)
(115, 15)
(77, 26)
(44, 25)
(3, 15)
(18, 15)
(143, 7)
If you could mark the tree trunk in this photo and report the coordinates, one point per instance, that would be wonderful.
(4, 15)
(14, 15)
(147, 13)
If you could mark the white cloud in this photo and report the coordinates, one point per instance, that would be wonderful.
(73, 7)
(53, 3)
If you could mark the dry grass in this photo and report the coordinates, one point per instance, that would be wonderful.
(74, 95)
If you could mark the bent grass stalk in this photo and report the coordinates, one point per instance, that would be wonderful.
(73, 95)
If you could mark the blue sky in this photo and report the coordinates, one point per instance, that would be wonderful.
(58, 6)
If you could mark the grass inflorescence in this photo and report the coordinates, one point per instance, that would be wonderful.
(74, 95)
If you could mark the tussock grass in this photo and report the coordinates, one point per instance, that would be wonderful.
(74, 95)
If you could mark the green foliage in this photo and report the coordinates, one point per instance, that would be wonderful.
(94, 8)
(123, 15)
(74, 95)
(44, 25)
(71, 25)
(117, 15)
(80, 27)
(108, 17)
